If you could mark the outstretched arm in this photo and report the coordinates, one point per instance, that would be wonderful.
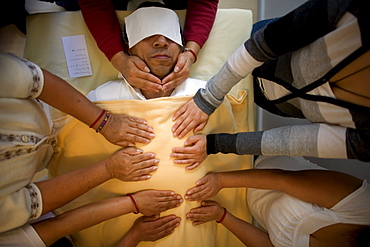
(82, 218)
(322, 187)
(247, 233)
(120, 129)
(126, 164)
(97, 212)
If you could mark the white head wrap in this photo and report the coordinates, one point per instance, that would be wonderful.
(149, 21)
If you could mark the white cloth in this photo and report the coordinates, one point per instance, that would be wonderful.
(290, 221)
(121, 89)
(146, 22)
(21, 236)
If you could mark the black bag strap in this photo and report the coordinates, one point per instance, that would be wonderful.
(302, 92)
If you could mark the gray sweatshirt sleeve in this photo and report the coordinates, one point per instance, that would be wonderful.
(238, 66)
(315, 140)
(212, 96)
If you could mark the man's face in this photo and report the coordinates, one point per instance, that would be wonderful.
(159, 53)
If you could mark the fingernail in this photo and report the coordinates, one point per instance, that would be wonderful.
(147, 69)
(155, 168)
(177, 69)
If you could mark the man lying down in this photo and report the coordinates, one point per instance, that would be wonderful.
(154, 35)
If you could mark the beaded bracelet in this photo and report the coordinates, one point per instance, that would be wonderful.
(134, 202)
(192, 52)
(223, 216)
(107, 115)
(101, 114)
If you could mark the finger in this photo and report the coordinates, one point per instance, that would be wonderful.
(135, 126)
(184, 122)
(150, 218)
(144, 164)
(193, 166)
(125, 143)
(149, 79)
(147, 82)
(200, 127)
(141, 133)
(177, 114)
(138, 120)
(180, 65)
(168, 86)
(186, 128)
(140, 64)
(168, 224)
(169, 198)
(166, 221)
(192, 140)
(138, 139)
(186, 152)
(194, 194)
(173, 80)
(184, 161)
(132, 151)
(171, 204)
(144, 174)
(208, 203)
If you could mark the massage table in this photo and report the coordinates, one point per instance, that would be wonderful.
(79, 146)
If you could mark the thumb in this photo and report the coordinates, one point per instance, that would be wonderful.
(191, 140)
(140, 64)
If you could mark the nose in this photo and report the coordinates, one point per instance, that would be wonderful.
(160, 41)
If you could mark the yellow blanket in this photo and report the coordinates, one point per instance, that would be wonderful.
(80, 146)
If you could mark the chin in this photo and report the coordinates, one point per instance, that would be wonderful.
(161, 73)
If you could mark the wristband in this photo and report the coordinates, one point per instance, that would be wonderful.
(101, 114)
(107, 115)
(223, 216)
(134, 202)
(192, 52)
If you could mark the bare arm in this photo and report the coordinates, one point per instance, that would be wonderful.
(81, 218)
(127, 165)
(120, 129)
(153, 202)
(321, 187)
(246, 232)
(61, 95)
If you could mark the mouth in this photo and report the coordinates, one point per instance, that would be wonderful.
(160, 56)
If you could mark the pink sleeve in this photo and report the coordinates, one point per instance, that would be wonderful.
(200, 17)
